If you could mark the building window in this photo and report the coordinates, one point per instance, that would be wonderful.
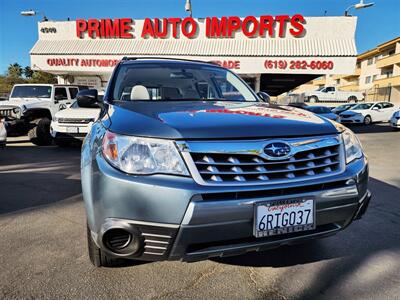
(391, 52)
(367, 79)
(370, 61)
(374, 77)
(389, 74)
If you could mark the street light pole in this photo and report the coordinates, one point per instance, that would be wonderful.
(188, 7)
(359, 5)
(32, 13)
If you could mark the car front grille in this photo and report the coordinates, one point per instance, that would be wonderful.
(75, 121)
(6, 113)
(311, 158)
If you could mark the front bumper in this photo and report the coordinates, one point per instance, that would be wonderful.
(177, 219)
(3, 136)
(395, 123)
(69, 131)
(357, 119)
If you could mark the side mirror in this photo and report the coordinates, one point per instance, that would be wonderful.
(375, 108)
(87, 98)
(264, 97)
(58, 98)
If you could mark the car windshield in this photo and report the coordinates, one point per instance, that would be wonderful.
(346, 106)
(178, 81)
(31, 91)
(319, 109)
(362, 106)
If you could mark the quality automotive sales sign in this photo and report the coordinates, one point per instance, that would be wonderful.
(224, 27)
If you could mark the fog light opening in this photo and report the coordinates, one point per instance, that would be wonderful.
(117, 239)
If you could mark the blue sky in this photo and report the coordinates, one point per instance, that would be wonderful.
(18, 34)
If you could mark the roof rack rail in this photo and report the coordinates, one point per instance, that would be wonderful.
(126, 58)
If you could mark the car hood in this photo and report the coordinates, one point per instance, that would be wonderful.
(330, 115)
(20, 102)
(212, 120)
(79, 113)
(350, 112)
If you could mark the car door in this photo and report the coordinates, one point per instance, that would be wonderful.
(330, 93)
(377, 112)
(388, 110)
(61, 98)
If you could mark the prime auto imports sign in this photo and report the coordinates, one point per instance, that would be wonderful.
(224, 27)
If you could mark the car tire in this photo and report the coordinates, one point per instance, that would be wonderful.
(97, 256)
(367, 120)
(352, 99)
(40, 134)
(313, 99)
(62, 143)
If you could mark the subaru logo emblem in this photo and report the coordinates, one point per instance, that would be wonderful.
(277, 150)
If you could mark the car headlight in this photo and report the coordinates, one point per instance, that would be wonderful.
(142, 156)
(352, 145)
(16, 110)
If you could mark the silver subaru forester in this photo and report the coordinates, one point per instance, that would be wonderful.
(186, 162)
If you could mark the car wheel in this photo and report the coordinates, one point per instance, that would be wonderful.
(367, 120)
(40, 134)
(97, 256)
(352, 99)
(313, 99)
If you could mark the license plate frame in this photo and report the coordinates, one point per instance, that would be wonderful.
(276, 231)
(72, 129)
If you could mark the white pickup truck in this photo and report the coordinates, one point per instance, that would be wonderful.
(332, 94)
(31, 108)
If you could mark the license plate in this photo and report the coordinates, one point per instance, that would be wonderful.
(284, 216)
(72, 129)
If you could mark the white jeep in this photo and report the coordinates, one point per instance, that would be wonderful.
(31, 108)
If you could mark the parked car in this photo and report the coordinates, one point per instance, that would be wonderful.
(341, 108)
(186, 162)
(368, 113)
(332, 94)
(298, 105)
(73, 123)
(31, 107)
(3, 133)
(323, 111)
(395, 120)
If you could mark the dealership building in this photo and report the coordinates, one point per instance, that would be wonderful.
(272, 53)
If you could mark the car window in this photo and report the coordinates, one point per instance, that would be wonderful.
(60, 93)
(73, 92)
(31, 91)
(319, 110)
(378, 105)
(330, 89)
(178, 81)
(387, 105)
(362, 106)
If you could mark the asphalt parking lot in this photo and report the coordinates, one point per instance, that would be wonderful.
(43, 242)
